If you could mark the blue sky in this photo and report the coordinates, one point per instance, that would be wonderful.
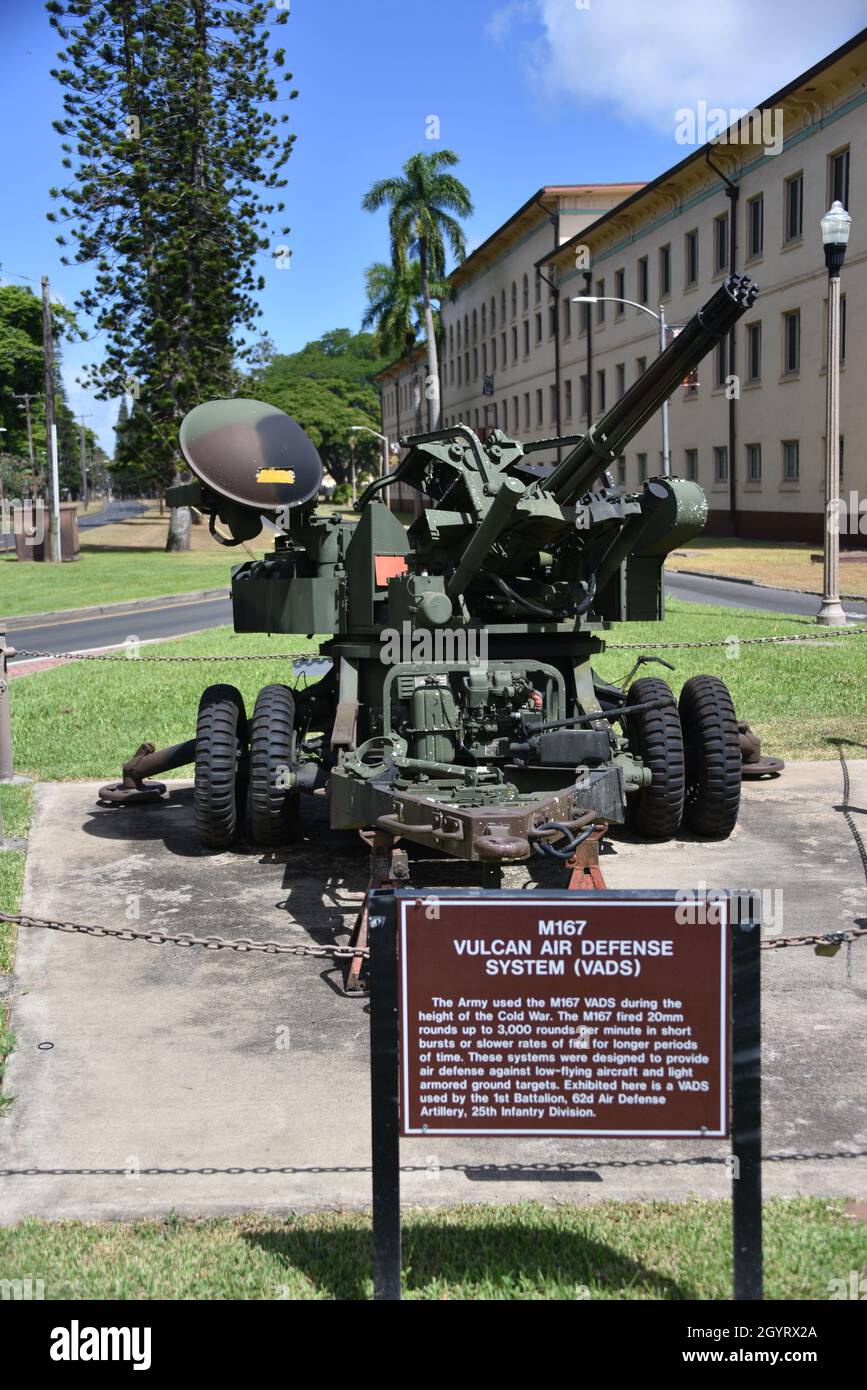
(527, 92)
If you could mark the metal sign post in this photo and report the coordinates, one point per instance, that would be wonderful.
(623, 1015)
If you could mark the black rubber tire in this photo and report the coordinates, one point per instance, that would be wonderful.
(713, 757)
(274, 813)
(655, 736)
(221, 749)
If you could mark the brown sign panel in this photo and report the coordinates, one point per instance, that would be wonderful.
(527, 1015)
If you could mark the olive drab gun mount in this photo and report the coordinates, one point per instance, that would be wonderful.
(461, 709)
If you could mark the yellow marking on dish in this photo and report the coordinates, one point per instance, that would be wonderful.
(275, 475)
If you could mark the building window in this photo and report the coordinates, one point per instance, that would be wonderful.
(526, 410)
(539, 408)
(754, 463)
(620, 292)
(466, 366)
(514, 343)
(794, 207)
(537, 288)
(600, 307)
(791, 461)
(642, 468)
(526, 337)
(525, 295)
(552, 402)
(460, 374)
(755, 227)
(721, 464)
(475, 364)
(502, 307)
(640, 366)
(584, 318)
(665, 270)
(451, 337)
(494, 354)
(567, 403)
(585, 396)
(792, 342)
(691, 464)
(720, 243)
(484, 322)
(620, 374)
(600, 391)
(484, 359)
(754, 352)
(838, 177)
(690, 257)
(503, 346)
(566, 311)
(621, 470)
(643, 280)
(538, 328)
(514, 299)
(719, 361)
(493, 313)
(459, 335)
(552, 319)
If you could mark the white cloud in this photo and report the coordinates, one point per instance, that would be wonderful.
(643, 59)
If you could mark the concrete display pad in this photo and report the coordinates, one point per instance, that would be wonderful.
(149, 1078)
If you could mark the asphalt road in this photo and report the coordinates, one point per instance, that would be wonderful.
(195, 615)
(113, 511)
(110, 629)
(703, 589)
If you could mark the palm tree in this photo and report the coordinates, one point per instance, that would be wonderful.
(420, 221)
(395, 310)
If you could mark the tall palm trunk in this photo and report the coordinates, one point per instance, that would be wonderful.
(433, 389)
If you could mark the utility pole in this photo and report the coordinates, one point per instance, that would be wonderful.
(27, 397)
(83, 450)
(52, 548)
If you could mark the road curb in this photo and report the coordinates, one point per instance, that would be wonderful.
(98, 610)
(758, 584)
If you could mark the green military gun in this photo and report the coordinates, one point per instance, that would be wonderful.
(460, 708)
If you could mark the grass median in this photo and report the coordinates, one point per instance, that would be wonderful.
(84, 719)
(520, 1251)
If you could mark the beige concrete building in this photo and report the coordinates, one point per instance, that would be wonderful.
(519, 355)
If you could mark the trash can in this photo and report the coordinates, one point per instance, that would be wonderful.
(29, 526)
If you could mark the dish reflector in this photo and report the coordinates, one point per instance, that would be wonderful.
(251, 453)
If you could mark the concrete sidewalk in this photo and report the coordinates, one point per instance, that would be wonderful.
(154, 1077)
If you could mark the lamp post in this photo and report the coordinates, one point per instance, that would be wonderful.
(660, 319)
(835, 234)
(386, 452)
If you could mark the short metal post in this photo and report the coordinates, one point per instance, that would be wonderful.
(6, 773)
(385, 1115)
(747, 1110)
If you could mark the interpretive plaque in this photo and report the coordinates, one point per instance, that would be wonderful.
(522, 1014)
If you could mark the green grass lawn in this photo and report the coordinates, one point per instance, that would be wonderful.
(109, 576)
(604, 1250)
(85, 719)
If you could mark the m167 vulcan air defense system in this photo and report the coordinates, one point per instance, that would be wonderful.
(461, 709)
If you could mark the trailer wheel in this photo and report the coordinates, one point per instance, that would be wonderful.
(221, 747)
(713, 757)
(274, 812)
(656, 737)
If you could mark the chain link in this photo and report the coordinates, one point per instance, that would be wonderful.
(158, 937)
(317, 656)
(120, 656)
